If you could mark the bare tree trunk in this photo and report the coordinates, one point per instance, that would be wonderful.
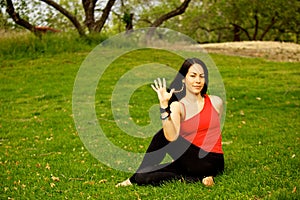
(89, 9)
(100, 23)
(256, 25)
(18, 20)
(178, 11)
(71, 17)
(236, 33)
(128, 18)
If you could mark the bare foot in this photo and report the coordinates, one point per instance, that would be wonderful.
(124, 183)
(208, 181)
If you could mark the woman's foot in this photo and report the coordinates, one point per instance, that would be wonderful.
(124, 183)
(208, 181)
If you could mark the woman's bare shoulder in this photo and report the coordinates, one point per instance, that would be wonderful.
(175, 105)
(178, 107)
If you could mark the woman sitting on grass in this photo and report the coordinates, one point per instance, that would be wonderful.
(191, 132)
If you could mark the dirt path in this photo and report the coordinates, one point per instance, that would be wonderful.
(275, 51)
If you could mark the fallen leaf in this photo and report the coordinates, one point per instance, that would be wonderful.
(103, 181)
(294, 155)
(54, 178)
(89, 183)
(48, 166)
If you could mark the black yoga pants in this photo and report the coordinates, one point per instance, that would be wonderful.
(190, 163)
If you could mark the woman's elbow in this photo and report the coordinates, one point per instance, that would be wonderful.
(172, 137)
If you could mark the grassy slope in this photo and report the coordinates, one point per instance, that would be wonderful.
(43, 157)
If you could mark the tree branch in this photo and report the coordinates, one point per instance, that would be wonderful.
(178, 11)
(66, 13)
(100, 23)
(244, 30)
(273, 21)
(18, 20)
(145, 20)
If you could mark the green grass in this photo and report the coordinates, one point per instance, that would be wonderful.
(42, 156)
(20, 45)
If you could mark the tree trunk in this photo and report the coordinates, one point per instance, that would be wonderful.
(128, 18)
(242, 29)
(256, 25)
(89, 8)
(100, 23)
(71, 17)
(236, 33)
(178, 11)
(18, 20)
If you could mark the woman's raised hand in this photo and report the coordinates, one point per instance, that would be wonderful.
(163, 95)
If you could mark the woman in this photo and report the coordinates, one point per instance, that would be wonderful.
(191, 132)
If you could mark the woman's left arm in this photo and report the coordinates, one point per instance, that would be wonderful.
(217, 103)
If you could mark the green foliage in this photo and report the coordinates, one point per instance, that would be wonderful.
(214, 21)
(204, 20)
(42, 156)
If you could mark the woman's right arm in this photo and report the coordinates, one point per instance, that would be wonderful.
(171, 125)
(170, 116)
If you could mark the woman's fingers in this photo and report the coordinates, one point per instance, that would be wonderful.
(159, 84)
(153, 87)
(156, 84)
(164, 83)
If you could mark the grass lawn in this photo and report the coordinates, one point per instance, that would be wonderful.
(42, 156)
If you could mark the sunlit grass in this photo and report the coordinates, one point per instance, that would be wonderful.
(42, 156)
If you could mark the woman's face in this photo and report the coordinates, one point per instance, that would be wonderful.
(195, 79)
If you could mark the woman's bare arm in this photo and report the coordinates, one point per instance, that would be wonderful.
(171, 125)
(170, 116)
(217, 103)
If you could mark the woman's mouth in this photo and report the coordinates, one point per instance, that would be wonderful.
(197, 86)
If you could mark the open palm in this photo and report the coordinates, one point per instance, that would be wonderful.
(160, 88)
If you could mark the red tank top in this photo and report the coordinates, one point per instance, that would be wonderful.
(203, 129)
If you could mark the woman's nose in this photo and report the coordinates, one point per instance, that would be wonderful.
(198, 79)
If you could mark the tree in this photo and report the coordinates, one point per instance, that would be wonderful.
(236, 20)
(18, 20)
(66, 13)
(160, 20)
(89, 8)
(203, 20)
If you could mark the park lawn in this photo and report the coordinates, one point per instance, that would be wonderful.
(42, 156)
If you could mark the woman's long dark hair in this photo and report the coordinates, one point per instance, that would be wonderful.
(177, 83)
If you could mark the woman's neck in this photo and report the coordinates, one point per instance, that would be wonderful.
(194, 98)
